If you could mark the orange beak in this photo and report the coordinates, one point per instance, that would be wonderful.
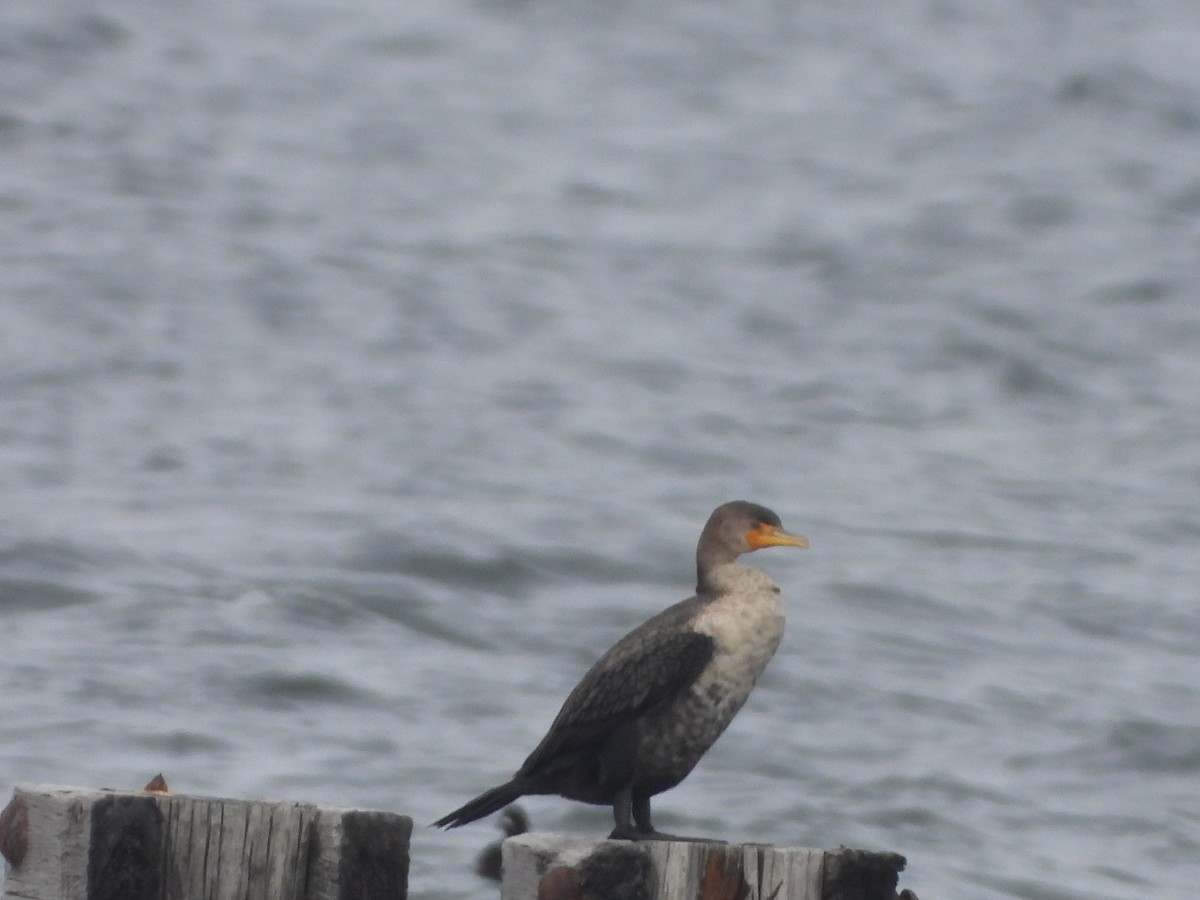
(763, 535)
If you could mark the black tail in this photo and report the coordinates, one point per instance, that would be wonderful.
(484, 805)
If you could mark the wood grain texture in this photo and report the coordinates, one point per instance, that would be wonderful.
(86, 844)
(663, 870)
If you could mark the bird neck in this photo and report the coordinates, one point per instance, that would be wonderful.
(731, 577)
(709, 559)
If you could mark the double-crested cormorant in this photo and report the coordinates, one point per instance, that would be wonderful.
(649, 708)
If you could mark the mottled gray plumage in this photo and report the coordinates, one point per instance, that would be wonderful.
(646, 712)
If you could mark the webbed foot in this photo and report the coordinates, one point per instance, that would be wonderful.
(637, 834)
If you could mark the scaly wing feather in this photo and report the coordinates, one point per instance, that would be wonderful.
(646, 668)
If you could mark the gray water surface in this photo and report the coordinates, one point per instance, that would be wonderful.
(365, 370)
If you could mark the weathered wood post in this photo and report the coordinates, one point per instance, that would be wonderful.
(556, 867)
(82, 844)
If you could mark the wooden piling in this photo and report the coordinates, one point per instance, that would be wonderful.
(84, 844)
(557, 867)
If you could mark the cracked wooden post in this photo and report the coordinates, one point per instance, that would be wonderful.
(84, 844)
(557, 867)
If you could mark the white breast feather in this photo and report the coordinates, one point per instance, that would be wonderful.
(746, 623)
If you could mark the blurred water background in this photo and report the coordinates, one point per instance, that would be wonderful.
(367, 368)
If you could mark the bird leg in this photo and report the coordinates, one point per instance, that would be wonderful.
(623, 816)
(625, 806)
